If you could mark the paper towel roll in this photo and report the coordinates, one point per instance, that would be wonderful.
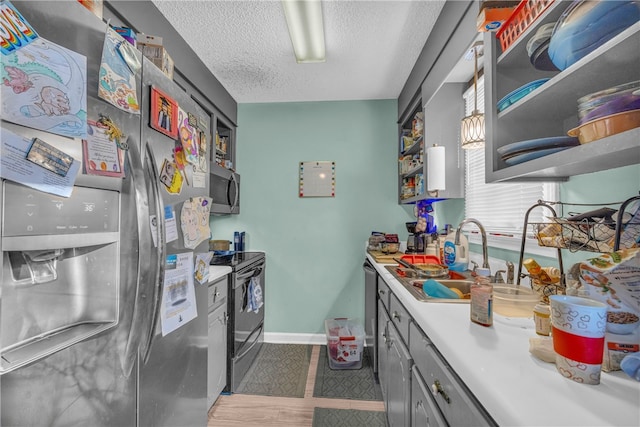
(435, 168)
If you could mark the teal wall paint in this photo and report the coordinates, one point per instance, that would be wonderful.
(315, 246)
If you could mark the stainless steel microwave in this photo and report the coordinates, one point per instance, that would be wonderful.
(224, 190)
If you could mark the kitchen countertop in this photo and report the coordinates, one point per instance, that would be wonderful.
(511, 384)
(218, 271)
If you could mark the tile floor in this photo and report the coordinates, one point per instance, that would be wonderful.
(251, 410)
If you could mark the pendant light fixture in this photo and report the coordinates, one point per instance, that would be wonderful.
(304, 19)
(472, 128)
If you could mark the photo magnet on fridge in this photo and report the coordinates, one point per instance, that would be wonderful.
(164, 113)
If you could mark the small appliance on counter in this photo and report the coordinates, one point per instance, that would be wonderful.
(416, 242)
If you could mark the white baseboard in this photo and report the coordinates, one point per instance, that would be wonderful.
(291, 338)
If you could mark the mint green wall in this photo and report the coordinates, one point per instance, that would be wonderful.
(315, 246)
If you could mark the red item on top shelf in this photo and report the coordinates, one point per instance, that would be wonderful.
(522, 17)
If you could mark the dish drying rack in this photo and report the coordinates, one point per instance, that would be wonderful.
(579, 232)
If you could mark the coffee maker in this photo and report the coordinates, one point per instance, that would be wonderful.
(416, 242)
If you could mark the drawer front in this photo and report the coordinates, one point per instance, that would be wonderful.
(217, 295)
(418, 344)
(383, 293)
(456, 403)
(400, 318)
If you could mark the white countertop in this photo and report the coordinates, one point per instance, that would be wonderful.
(218, 271)
(513, 386)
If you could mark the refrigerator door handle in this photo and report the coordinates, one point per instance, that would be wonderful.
(158, 282)
(140, 196)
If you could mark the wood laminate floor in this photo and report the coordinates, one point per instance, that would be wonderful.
(250, 410)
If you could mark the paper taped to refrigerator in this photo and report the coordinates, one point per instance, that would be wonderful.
(178, 294)
(15, 167)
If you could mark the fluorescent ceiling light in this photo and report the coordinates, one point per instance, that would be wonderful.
(304, 19)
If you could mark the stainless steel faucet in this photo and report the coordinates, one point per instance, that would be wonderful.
(510, 272)
(497, 278)
(483, 233)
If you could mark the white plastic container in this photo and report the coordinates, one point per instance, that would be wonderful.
(456, 257)
(345, 341)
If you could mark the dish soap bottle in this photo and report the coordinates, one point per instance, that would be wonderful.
(456, 257)
(482, 298)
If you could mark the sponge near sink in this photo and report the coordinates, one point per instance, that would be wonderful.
(435, 289)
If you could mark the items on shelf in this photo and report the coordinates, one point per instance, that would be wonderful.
(410, 162)
(417, 125)
(152, 48)
(523, 151)
(494, 13)
(408, 187)
(586, 25)
(222, 151)
(522, 17)
(608, 112)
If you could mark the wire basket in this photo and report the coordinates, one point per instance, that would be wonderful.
(584, 235)
(522, 17)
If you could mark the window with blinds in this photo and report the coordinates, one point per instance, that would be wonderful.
(500, 207)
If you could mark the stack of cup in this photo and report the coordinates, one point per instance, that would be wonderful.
(578, 328)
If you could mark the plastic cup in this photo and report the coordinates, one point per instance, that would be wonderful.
(578, 328)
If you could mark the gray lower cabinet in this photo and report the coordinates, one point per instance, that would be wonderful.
(382, 344)
(419, 388)
(399, 380)
(394, 362)
(424, 411)
(217, 345)
(455, 402)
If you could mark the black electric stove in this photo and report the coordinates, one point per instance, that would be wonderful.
(245, 327)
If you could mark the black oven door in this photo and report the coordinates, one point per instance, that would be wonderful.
(224, 190)
(246, 321)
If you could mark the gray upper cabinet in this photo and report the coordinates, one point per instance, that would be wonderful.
(552, 109)
(442, 115)
(439, 97)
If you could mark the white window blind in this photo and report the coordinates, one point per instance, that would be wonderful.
(501, 208)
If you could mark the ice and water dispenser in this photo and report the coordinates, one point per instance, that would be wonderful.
(60, 270)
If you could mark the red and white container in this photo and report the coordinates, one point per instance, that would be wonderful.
(345, 341)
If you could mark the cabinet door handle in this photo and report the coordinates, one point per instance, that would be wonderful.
(437, 388)
(396, 316)
(381, 292)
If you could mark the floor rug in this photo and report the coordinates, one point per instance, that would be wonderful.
(325, 417)
(356, 384)
(279, 370)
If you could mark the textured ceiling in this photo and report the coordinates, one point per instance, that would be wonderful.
(371, 47)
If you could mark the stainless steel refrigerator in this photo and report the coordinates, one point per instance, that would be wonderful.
(81, 341)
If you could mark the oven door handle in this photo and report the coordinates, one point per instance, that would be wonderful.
(248, 274)
(253, 344)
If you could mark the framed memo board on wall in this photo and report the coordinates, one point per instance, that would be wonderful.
(317, 179)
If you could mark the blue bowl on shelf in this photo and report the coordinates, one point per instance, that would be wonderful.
(586, 25)
(516, 95)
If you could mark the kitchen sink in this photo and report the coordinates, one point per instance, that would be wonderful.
(414, 286)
